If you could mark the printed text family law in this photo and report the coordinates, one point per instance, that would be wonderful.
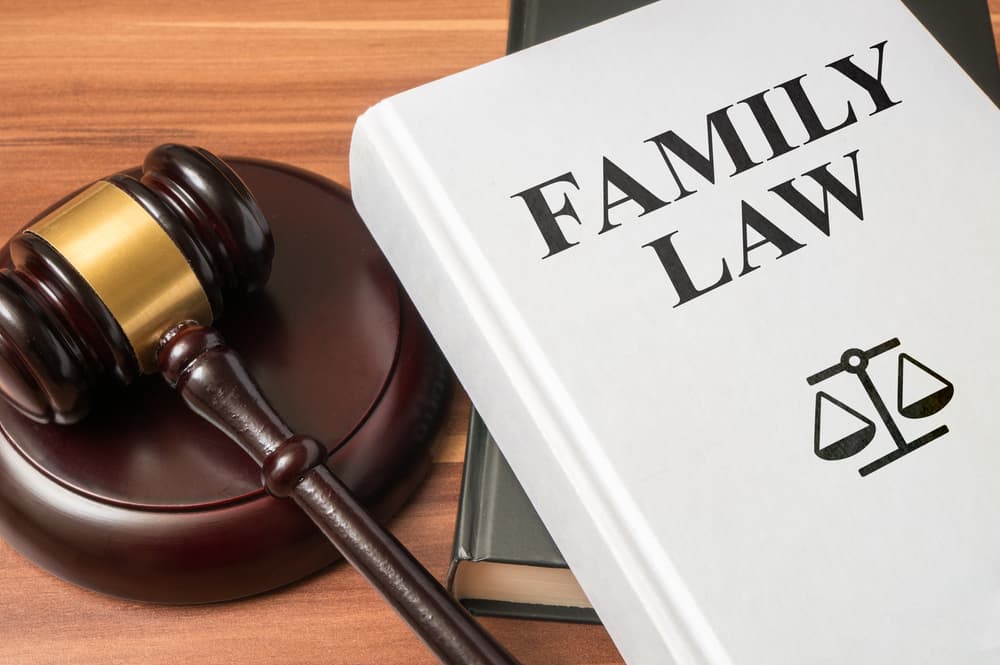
(812, 202)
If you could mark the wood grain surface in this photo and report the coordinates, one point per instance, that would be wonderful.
(86, 89)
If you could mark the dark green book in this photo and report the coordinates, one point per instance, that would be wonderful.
(504, 562)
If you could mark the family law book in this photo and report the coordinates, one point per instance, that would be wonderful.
(504, 562)
(721, 277)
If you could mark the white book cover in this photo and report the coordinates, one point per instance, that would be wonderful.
(722, 279)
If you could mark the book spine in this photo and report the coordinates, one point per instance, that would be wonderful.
(647, 609)
(465, 547)
(520, 26)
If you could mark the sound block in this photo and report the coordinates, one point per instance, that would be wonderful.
(145, 501)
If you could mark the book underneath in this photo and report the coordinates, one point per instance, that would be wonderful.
(504, 562)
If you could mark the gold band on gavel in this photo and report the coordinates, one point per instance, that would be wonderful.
(131, 264)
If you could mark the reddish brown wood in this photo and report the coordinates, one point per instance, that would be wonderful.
(440, 621)
(142, 474)
(60, 341)
(210, 214)
(214, 382)
(46, 370)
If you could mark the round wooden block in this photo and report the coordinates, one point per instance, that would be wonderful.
(144, 500)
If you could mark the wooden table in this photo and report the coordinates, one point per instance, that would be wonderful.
(86, 90)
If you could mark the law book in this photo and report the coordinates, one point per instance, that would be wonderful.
(721, 279)
(503, 558)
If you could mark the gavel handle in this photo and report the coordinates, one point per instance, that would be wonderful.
(216, 385)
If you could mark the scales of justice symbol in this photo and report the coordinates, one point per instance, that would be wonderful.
(855, 361)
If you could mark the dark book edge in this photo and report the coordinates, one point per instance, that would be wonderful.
(492, 508)
(536, 21)
(495, 608)
(464, 547)
(518, 30)
(964, 28)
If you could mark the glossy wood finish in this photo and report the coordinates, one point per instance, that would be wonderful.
(87, 86)
(209, 214)
(196, 361)
(155, 504)
(62, 339)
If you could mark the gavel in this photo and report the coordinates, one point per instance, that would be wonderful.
(125, 278)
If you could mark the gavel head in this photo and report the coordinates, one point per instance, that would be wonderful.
(96, 282)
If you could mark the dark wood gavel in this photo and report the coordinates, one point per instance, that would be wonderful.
(125, 278)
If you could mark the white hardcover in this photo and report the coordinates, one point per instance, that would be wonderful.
(667, 431)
